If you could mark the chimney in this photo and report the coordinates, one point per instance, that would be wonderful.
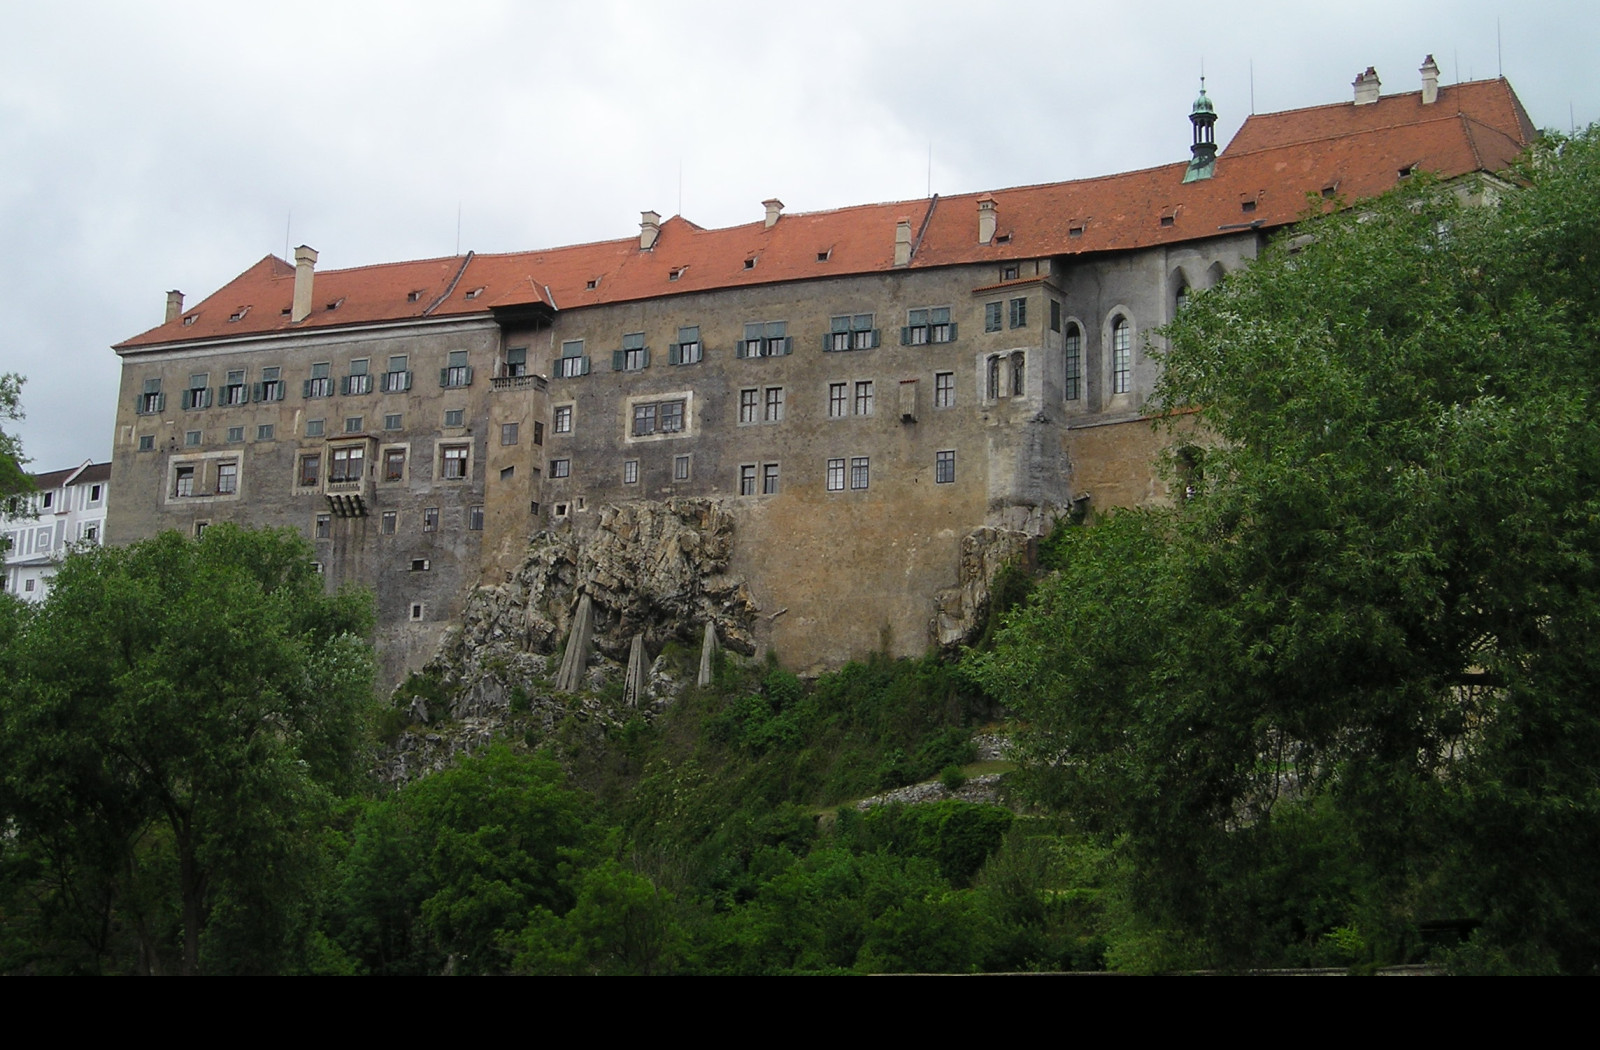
(174, 306)
(902, 243)
(649, 230)
(986, 220)
(1430, 81)
(774, 209)
(1367, 85)
(305, 260)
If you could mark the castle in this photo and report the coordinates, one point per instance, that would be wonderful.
(878, 403)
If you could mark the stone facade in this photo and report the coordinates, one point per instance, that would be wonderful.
(876, 405)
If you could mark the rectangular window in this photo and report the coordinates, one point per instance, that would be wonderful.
(352, 424)
(235, 434)
(749, 400)
(314, 428)
(630, 472)
(359, 381)
(563, 419)
(772, 412)
(310, 470)
(864, 397)
(198, 395)
(394, 464)
(517, 361)
(851, 332)
(321, 382)
(991, 317)
(184, 482)
(271, 385)
(572, 363)
(389, 521)
(838, 400)
(475, 519)
(858, 472)
(455, 417)
(191, 438)
(769, 479)
(687, 350)
(1055, 316)
(1019, 313)
(264, 432)
(633, 357)
(538, 432)
(453, 462)
(644, 420)
(391, 421)
(151, 401)
(747, 480)
(147, 442)
(671, 416)
(1019, 374)
(560, 468)
(324, 526)
(430, 519)
(928, 326)
(456, 372)
(680, 468)
(944, 389)
(347, 464)
(508, 433)
(765, 339)
(234, 392)
(944, 467)
(397, 377)
(835, 475)
(1072, 350)
(227, 479)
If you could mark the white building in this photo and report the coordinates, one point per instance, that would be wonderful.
(67, 507)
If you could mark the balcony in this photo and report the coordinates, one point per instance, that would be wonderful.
(529, 382)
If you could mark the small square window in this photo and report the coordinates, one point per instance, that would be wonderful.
(944, 467)
(507, 473)
(630, 472)
(430, 519)
(191, 438)
(991, 317)
(560, 468)
(235, 434)
(453, 417)
(388, 523)
(391, 421)
(314, 428)
(147, 442)
(352, 425)
(419, 565)
(680, 468)
(1009, 273)
(508, 433)
(264, 432)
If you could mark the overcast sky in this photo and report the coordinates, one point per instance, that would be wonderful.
(172, 145)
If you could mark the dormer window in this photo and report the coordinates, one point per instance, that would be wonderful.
(593, 284)
(1004, 238)
(413, 296)
(237, 315)
(474, 293)
(194, 317)
(677, 272)
(336, 303)
(825, 255)
(750, 263)
(1247, 206)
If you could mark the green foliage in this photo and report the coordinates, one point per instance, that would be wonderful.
(13, 479)
(174, 722)
(952, 778)
(1382, 595)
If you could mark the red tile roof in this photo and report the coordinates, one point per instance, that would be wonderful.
(1276, 160)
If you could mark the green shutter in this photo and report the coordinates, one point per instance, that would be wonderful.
(739, 350)
(585, 370)
(256, 392)
(644, 357)
(344, 384)
(618, 360)
(876, 337)
(469, 377)
(788, 345)
(444, 377)
(827, 342)
(305, 389)
(952, 331)
(672, 354)
(905, 335)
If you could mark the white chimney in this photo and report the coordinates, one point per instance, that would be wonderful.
(986, 220)
(774, 209)
(649, 230)
(902, 243)
(305, 261)
(174, 305)
(1430, 81)
(1366, 85)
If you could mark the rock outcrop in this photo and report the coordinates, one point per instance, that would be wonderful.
(960, 610)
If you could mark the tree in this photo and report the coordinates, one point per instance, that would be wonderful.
(172, 719)
(1382, 596)
(12, 477)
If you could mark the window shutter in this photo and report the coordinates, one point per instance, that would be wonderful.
(407, 380)
(444, 377)
(183, 399)
(788, 345)
(344, 384)
(738, 349)
(469, 376)
(644, 356)
(256, 392)
(905, 335)
(618, 360)
(876, 333)
(208, 398)
(585, 369)
(305, 389)
(952, 332)
(138, 405)
(672, 354)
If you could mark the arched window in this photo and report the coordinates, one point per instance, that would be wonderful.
(994, 377)
(1073, 347)
(1121, 355)
(1019, 374)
